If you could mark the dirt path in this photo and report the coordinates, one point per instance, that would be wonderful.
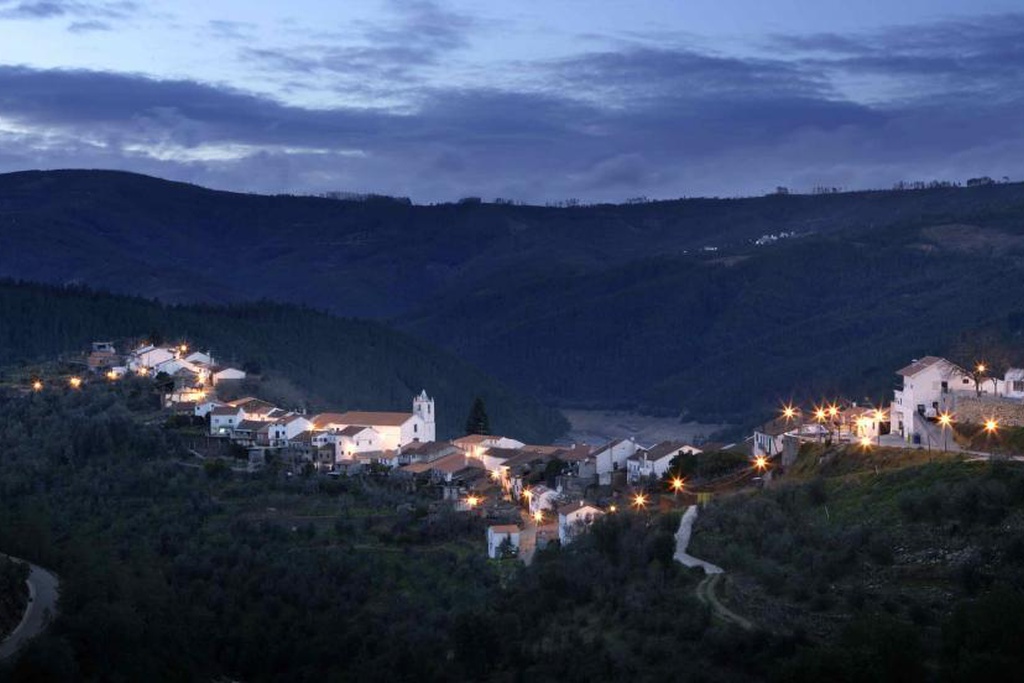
(706, 589)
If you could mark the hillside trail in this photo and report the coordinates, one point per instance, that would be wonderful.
(707, 589)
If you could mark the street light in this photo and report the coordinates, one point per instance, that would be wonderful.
(538, 517)
(991, 426)
(788, 412)
(677, 485)
(640, 501)
(75, 382)
(760, 463)
(945, 421)
(472, 501)
(37, 385)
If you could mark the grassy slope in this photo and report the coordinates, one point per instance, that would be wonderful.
(920, 546)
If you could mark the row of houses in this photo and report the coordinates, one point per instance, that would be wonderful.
(928, 388)
(327, 439)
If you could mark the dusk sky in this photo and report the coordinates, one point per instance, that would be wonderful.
(536, 101)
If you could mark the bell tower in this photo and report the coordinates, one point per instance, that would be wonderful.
(423, 406)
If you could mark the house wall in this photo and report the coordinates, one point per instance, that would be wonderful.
(495, 539)
(226, 422)
(925, 390)
(365, 441)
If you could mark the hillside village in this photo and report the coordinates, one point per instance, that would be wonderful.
(537, 493)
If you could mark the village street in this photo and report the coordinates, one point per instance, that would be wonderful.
(43, 587)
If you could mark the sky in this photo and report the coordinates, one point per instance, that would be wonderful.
(536, 101)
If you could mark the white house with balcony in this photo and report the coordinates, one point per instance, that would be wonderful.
(929, 388)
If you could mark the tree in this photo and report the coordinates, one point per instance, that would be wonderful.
(478, 422)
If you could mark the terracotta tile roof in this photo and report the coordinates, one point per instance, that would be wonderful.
(352, 430)
(577, 506)
(417, 467)
(366, 419)
(225, 410)
(663, 449)
(451, 464)
(473, 439)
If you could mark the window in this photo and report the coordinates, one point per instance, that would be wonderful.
(415, 428)
(1018, 385)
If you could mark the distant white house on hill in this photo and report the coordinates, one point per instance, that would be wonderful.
(501, 537)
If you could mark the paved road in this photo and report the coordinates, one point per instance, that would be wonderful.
(43, 587)
(683, 541)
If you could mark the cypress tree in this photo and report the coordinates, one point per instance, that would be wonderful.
(478, 422)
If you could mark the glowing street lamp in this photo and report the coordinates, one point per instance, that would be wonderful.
(865, 442)
(677, 484)
(528, 495)
(75, 382)
(760, 463)
(991, 426)
(788, 412)
(472, 501)
(538, 517)
(37, 385)
(612, 508)
(640, 501)
(111, 375)
(945, 422)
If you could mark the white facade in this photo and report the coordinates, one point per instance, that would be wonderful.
(206, 407)
(496, 535)
(423, 407)
(1013, 383)
(354, 440)
(295, 425)
(574, 519)
(612, 458)
(149, 357)
(199, 357)
(542, 498)
(222, 422)
(228, 374)
(928, 388)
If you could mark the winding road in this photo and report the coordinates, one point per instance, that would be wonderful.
(706, 589)
(43, 590)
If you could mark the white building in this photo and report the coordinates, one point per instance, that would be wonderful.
(574, 518)
(224, 420)
(498, 534)
(928, 388)
(394, 430)
(1013, 383)
(149, 357)
(475, 445)
(653, 462)
(227, 374)
(355, 439)
(612, 457)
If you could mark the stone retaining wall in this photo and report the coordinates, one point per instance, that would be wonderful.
(1009, 412)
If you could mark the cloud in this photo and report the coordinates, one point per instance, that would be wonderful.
(89, 26)
(418, 34)
(49, 9)
(603, 125)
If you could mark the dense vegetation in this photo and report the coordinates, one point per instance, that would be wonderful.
(604, 306)
(913, 574)
(173, 572)
(308, 358)
(13, 594)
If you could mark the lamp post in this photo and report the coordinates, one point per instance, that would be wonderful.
(945, 421)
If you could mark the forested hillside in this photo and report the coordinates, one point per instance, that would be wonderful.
(665, 306)
(318, 359)
(866, 568)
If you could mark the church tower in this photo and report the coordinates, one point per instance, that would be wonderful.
(423, 406)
